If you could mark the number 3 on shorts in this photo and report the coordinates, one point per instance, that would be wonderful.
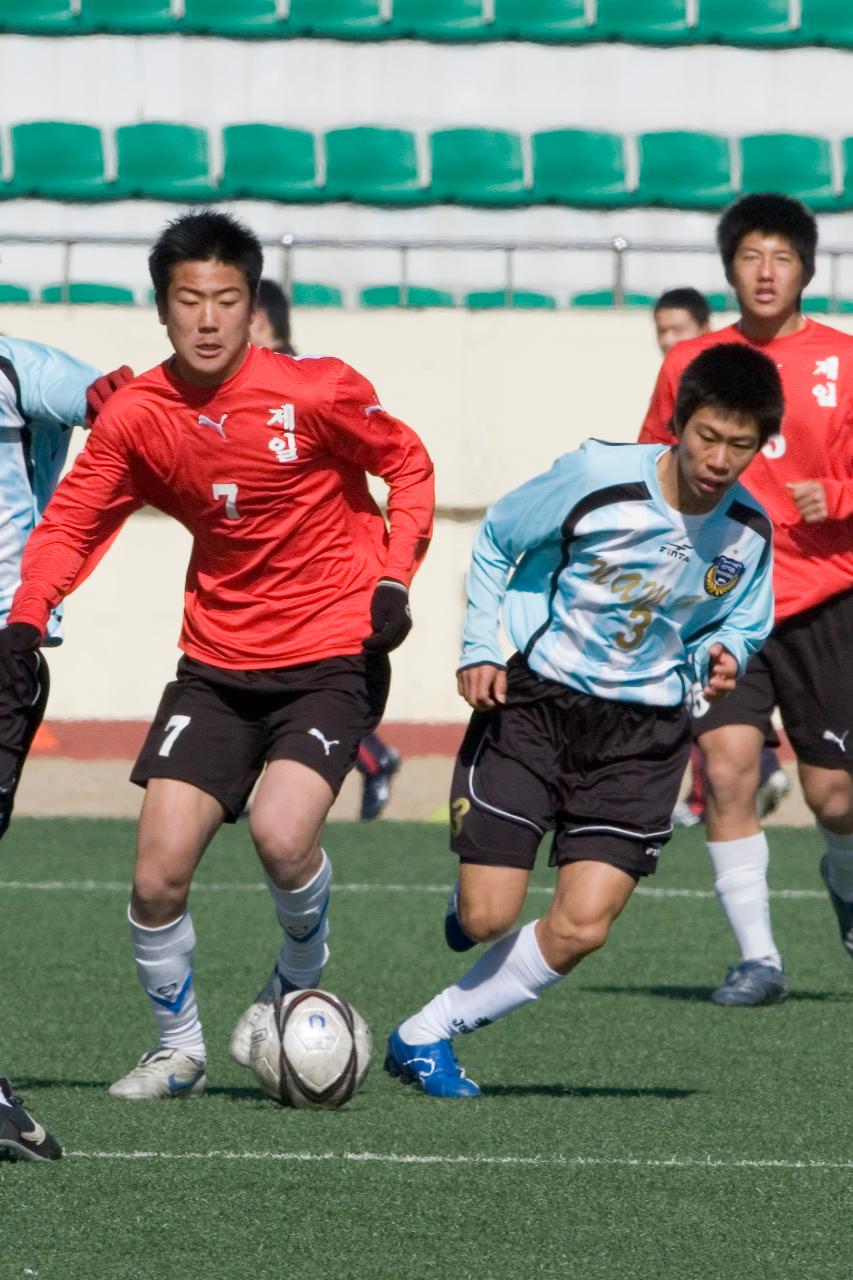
(176, 725)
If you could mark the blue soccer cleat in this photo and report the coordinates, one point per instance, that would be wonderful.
(752, 982)
(454, 935)
(843, 910)
(432, 1067)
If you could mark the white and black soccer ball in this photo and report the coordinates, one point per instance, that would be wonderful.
(311, 1050)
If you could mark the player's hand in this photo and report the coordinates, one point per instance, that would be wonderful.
(483, 687)
(809, 499)
(390, 617)
(722, 673)
(17, 640)
(102, 388)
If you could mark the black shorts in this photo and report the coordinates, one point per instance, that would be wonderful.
(602, 775)
(22, 707)
(216, 729)
(805, 669)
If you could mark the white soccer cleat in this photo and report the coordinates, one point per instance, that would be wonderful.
(162, 1073)
(240, 1044)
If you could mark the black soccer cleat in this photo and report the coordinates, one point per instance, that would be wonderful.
(22, 1137)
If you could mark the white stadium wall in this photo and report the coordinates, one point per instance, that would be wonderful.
(495, 396)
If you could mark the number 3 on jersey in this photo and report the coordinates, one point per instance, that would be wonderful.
(176, 725)
(229, 493)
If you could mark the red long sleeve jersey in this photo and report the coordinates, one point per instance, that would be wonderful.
(811, 561)
(267, 472)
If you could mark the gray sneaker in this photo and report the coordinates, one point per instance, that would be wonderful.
(844, 910)
(752, 982)
(772, 792)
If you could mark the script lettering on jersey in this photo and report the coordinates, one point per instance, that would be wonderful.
(826, 392)
(284, 446)
(643, 593)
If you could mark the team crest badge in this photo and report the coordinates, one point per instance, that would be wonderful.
(723, 573)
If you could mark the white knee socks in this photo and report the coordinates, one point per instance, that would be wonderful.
(164, 962)
(740, 879)
(510, 974)
(303, 916)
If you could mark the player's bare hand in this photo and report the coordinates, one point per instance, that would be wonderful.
(809, 499)
(483, 687)
(722, 673)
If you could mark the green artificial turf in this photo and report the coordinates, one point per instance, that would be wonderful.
(628, 1127)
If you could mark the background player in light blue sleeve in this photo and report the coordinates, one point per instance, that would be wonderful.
(622, 575)
(43, 394)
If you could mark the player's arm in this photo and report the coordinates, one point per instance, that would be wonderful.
(80, 522)
(656, 424)
(720, 655)
(524, 519)
(56, 387)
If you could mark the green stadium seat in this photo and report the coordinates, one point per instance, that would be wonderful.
(521, 299)
(244, 19)
(38, 17)
(652, 22)
(14, 293)
(128, 17)
(684, 170)
(579, 167)
(794, 163)
(310, 293)
(817, 304)
(268, 162)
(84, 291)
(58, 161)
(414, 295)
(826, 22)
(373, 166)
(477, 166)
(338, 19)
(544, 21)
(163, 162)
(607, 298)
(439, 20)
(758, 22)
(722, 301)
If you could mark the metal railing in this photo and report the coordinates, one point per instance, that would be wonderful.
(618, 248)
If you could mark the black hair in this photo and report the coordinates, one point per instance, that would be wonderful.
(735, 381)
(274, 301)
(773, 215)
(690, 300)
(205, 237)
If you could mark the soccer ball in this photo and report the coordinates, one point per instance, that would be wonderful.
(312, 1049)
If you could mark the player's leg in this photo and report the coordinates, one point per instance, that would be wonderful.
(731, 734)
(21, 1136)
(319, 714)
(198, 763)
(829, 795)
(22, 708)
(377, 763)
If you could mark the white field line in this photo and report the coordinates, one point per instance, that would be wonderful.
(121, 886)
(552, 1161)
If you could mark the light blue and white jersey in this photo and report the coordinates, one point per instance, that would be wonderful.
(606, 588)
(42, 396)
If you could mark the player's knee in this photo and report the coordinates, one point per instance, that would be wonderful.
(573, 938)
(279, 849)
(727, 780)
(157, 899)
(485, 921)
(831, 803)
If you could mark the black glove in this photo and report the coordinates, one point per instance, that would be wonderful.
(390, 616)
(16, 641)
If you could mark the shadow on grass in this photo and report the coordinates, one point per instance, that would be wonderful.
(29, 1084)
(704, 993)
(581, 1091)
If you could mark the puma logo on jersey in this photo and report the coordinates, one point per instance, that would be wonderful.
(829, 736)
(327, 743)
(217, 426)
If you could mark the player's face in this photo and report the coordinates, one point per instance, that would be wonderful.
(674, 324)
(207, 316)
(767, 276)
(261, 332)
(711, 454)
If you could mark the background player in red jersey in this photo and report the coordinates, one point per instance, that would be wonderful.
(804, 479)
(295, 592)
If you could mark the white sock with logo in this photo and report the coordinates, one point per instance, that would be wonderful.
(510, 974)
(304, 918)
(740, 879)
(164, 962)
(839, 858)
